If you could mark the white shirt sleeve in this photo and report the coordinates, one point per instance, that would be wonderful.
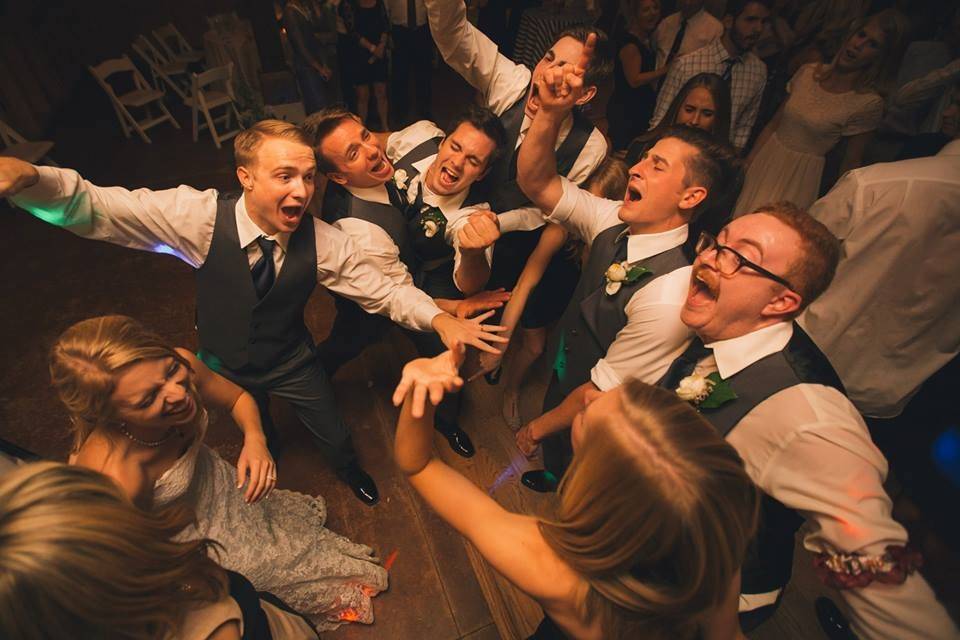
(177, 221)
(475, 57)
(400, 143)
(453, 228)
(807, 447)
(377, 245)
(592, 154)
(583, 213)
(653, 337)
(343, 268)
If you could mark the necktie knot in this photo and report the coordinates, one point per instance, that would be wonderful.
(729, 63)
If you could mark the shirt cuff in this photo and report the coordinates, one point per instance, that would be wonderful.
(604, 376)
(47, 188)
(423, 314)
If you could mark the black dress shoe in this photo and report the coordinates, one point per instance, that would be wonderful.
(540, 480)
(459, 441)
(362, 484)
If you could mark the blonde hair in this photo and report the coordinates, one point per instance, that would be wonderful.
(609, 179)
(78, 560)
(248, 141)
(85, 361)
(656, 512)
(875, 78)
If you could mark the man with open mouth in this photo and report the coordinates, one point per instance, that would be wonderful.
(625, 314)
(258, 259)
(760, 380)
(406, 200)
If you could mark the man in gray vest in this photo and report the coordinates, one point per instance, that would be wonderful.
(258, 258)
(406, 200)
(754, 374)
(625, 313)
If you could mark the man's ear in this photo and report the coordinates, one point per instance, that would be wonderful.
(588, 94)
(336, 176)
(785, 304)
(245, 178)
(691, 197)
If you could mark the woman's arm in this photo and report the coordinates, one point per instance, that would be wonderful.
(255, 460)
(853, 157)
(632, 62)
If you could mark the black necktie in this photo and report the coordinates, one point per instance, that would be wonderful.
(411, 14)
(677, 40)
(398, 199)
(263, 270)
(728, 69)
(684, 365)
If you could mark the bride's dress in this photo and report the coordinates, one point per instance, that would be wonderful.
(278, 543)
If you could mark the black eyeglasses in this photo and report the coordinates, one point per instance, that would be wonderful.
(730, 261)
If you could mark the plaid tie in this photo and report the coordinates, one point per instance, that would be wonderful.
(263, 270)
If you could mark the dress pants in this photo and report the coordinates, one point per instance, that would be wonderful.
(412, 55)
(301, 381)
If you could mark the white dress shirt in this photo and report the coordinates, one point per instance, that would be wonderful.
(890, 320)
(747, 79)
(702, 29)
(808, 447)
(654, 335)
(501, 82)
(377, 243)
(180, 222)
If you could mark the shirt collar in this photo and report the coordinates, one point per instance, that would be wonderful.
(641, 246)
(736, 354)
(565, 128)
(448, 205)
(376, 194)
(248, 231)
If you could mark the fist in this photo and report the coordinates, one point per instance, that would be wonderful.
(15, 176)
(481, 231)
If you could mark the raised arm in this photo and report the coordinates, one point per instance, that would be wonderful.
(178, 221)
(474, 56)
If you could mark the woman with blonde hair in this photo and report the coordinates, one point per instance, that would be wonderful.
(138, 407)
(68, 531)
(655, 514)
(827, 103)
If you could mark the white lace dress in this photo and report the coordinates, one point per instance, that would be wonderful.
(790, 163)
(279, 544)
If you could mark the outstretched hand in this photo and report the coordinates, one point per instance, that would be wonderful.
(482, 301)
(469, 331)
(430, 377)
(559, 88)
(15, 176)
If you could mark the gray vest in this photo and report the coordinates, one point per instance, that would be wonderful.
(592, 320)
(770, 557)
(236, 327)
(499, 187)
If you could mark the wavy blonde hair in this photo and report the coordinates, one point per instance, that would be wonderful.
(85, 362)
(656, 512)
(877, 77)
(78, 560)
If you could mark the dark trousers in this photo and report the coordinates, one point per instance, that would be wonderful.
(302, 382)
(412, 56)
(354, 330)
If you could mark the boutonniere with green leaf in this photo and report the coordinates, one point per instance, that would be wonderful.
(621, 273)
(706, 392)
(432, 220)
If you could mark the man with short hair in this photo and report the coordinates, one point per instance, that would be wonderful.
(625, 313)
(258, 259)
(687, 30)
(510, 91)
(731, 57)
(406, 199)
(757, 377)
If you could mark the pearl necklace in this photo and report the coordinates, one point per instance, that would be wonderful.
(148, 443)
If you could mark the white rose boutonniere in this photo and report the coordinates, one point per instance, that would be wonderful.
(400, 178)
(430, 228)
(432, 221)
(705, 392)
(621, 273)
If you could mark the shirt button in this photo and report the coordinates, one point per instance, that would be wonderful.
(574, 332)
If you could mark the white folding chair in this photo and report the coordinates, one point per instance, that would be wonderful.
(143, 95)
(175, 45)
(211, 89)
(173, 72)
(16, 146)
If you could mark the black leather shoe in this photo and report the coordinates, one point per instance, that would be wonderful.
(540, 480)
(459, 441)
(362, 484)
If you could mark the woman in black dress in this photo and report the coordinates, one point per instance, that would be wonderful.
(635, 77)
(368, 28)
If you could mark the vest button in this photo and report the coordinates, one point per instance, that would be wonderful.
(573, 332)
